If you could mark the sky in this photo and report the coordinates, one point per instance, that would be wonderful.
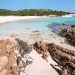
(65, 5)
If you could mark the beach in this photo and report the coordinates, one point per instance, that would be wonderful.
(33, 34)
(39, 66)
(30, 38)
(37, 37)
(4, 19)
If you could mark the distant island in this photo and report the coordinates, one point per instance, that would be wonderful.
(32, 12)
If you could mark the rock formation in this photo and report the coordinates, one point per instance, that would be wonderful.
(14, 63)
(72, 26)
(22, 58)
(41, 48)
(69, 34)
(64, 57)
(7, 58)
(13, 56)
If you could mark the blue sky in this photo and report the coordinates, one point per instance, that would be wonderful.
(66, 5)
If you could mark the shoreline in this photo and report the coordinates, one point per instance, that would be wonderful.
(42, 67)
(4, 19)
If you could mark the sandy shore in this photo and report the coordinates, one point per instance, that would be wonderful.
(4, 19)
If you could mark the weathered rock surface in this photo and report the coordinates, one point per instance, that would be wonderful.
(3, 62)
(12, 65)
(69, 34)
(41, 48)
(13, 56)
(72, 26)
(22, 58)
(4, 72)
(64, 57)
(7, 58)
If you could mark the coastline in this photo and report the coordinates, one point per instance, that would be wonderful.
(4, 19)
(31, 38)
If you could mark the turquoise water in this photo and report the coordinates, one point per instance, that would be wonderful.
(35, 24)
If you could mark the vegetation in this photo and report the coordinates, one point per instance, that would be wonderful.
(32, 12)
(5, 12)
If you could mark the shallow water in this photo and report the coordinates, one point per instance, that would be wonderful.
(35, 24)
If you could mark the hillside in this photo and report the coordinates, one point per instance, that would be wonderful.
(32, 12)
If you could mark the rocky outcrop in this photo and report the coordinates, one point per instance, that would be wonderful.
(64, 57)
(14, 63)
(41, 48)
(13, 56)
(22, 55)
(72, 26)
(7, 58)
(69, 34)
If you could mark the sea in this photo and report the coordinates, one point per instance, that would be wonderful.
(53, 24)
